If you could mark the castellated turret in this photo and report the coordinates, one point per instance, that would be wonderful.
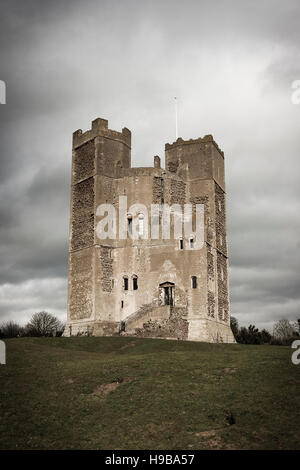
(148, 285)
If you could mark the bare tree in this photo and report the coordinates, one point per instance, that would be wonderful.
(297, 326)
(283, 329)
(43, 324)
(10, 329)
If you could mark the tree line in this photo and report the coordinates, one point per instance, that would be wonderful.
(40, 324)
(46, 324)
(284, 333)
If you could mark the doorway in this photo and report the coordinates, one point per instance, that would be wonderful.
(166, 293)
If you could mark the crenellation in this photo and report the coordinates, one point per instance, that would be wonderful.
(99, 127)
(207, 138)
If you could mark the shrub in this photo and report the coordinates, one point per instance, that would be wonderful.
(250, 335)
(234, 325)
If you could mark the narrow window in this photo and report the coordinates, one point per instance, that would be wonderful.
(122, 303)
(222, 274)
(220, 205)
(135, 283)
(125, 283)
(129, 223)
(112, 283)
(221, 240)
(162, 192)
(194, 282)
(181, 244)
(191, 243)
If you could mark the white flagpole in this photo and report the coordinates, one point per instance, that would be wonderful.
(176, 117)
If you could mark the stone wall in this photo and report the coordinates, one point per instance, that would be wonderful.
(84, 161)
(143, 314)
(158, 190)
(106, 269)
(223, 307)
(106, 328)
(83, 214)
(175, 327)
(210, 282)
(220, 219)
(177, 192)
(173, 166)
(207, 218)
(81, 293)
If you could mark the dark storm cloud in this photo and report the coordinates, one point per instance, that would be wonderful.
(230, 63)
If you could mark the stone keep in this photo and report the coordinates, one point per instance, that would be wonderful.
(147, 287)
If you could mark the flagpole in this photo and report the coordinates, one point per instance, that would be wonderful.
(176, 117)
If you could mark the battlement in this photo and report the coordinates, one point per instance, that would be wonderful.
(207, 138)
(100, 128)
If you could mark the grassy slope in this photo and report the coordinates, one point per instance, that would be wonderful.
(177, 399)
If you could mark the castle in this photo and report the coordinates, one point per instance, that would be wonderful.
(147, 287)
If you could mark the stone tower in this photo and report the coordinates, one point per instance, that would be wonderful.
(148, 287)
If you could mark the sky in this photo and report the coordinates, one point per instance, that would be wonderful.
(230, 63)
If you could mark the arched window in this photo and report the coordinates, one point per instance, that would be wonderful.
(129, 224)
(192, 242)
(135, 282)
(194, 282)
(125, 283)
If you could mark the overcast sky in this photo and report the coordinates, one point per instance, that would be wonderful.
(230, 63)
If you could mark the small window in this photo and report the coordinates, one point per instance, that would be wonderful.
(135, 283)
(220, 205)
(181, 244)
(222, 274)
(112, 283)
(221, 240)
(192, 243)
(129, 224)
(122, 303)
(194, 282)
(125, 283)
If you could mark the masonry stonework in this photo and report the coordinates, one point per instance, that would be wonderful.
(148, 287)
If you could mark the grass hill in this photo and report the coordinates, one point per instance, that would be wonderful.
(129, 393)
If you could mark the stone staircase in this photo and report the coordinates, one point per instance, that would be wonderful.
(147, 312)
(155, 321)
